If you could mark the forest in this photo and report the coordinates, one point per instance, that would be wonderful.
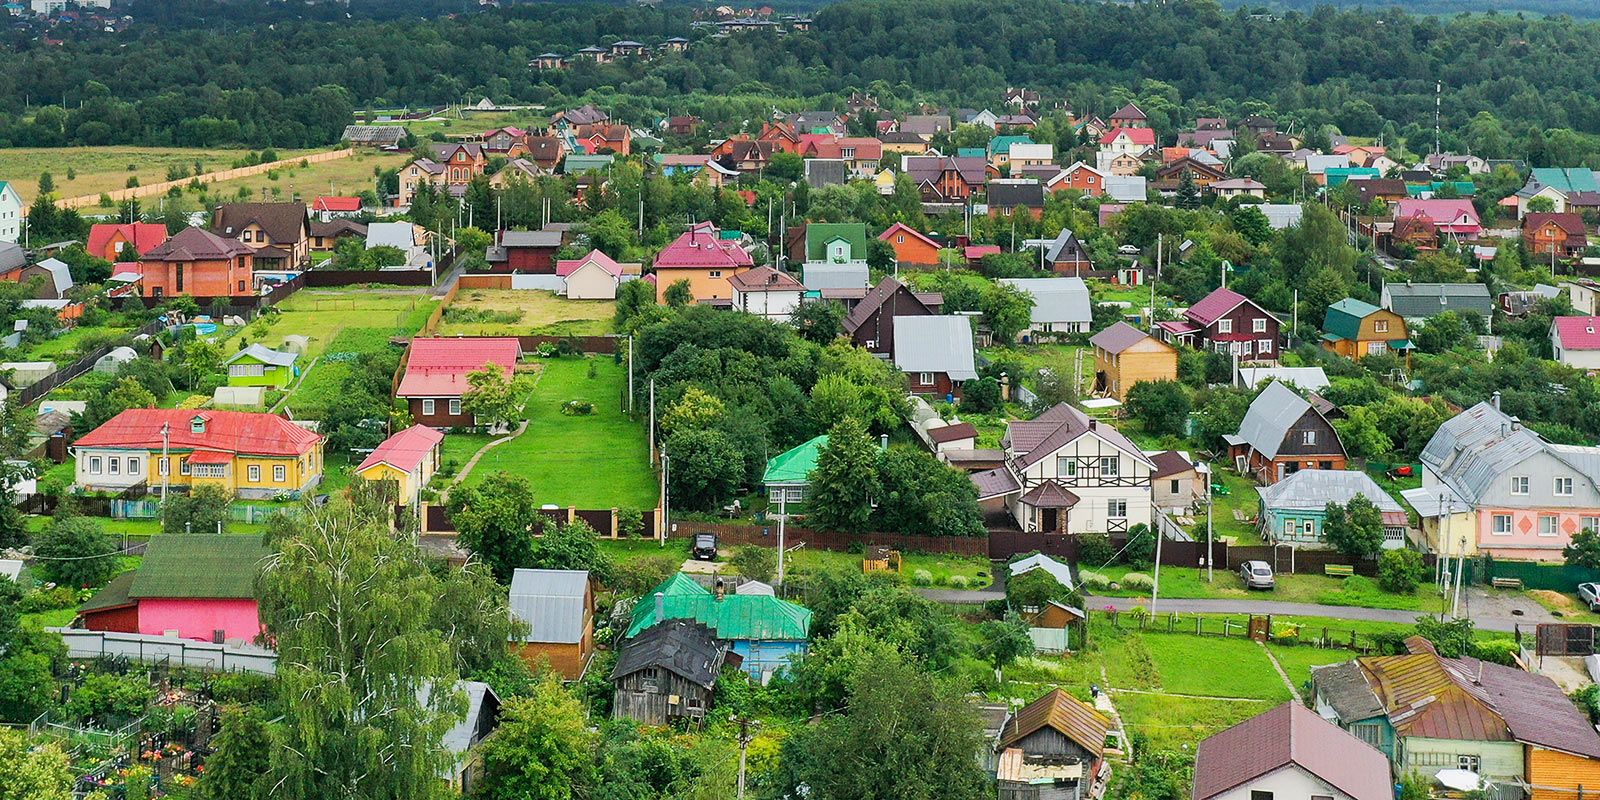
(1370, 73)
(1581, 9)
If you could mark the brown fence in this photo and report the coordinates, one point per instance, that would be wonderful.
(598, 345)
(481, 280)
(604, 521)
(27, 395)
(158, 189)
(1562, 639)
(437, 316)
(1299, 560)
(744, 533)
(1005, 544)
(1256, 626)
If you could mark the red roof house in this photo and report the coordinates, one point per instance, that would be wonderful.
(124, 242)
(1575, 341)
(336, 204)
(409, 458)
(1457, 217)
(1142, 137)
(1225, 322)
(436, 375)
(706, 260)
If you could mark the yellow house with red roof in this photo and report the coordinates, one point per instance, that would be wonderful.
(409, 458)
(250, 455)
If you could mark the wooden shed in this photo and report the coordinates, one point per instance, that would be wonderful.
(667, 672)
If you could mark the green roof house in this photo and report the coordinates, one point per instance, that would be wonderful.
(765, 631)
(191, 586)
(1339, 175)
(258, 366)
(1354, 329)
(836, 256)
(1001, 145)
(788, 476)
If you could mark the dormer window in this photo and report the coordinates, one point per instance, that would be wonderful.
(197, 425)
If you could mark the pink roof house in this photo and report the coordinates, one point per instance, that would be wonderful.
(703, 258)
(596, 276)
(1575, 341)
(436, 375)
(1456, 217)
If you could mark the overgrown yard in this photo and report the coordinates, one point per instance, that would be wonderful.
(597, 460)
(1055, 357)
(510, 312)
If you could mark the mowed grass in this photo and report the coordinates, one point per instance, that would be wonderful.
(1297, 661)
(536, 312)
(64, 347)
(1190, 582)
(103, 169)
(1197, 665)
(599, 460)
(1055, 357)
(321, 314)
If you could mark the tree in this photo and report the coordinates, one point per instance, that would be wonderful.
(495, 521)
(490, 396)
(542, 750)
(473, 240)
(755, 562)
(696, 409)
(127, 393)
(1443, 331)
(33, 773)
(980, 395)
(705, 468)
(820, 321)
(573, 546)
(1036, 587)
(1355, 528)
(845, 481)
(881, 255)
(1003, 641)
(1359, 433)
(1584, 549)
(678, 294)
(1541, 205)
(1400, 571)
(205, 509)
(75, 552)
(1007, 310)
(1188, 196)
(47, 183)
(634, 299)
(1163, 406)
(238, 764)
(1249, 222)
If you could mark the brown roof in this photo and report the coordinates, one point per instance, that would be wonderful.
(337, 227)
(994, 482)
(197, 244)
(1118, 338)
(765, 279)
(1569, 222)
(1035, 439)
(1050, 495)
(1290, 734)
(1170, 462)
(1064, 713)
(874, 300)
(950, 433)
(283, 222)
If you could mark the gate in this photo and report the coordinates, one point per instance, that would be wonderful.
(1564, 639)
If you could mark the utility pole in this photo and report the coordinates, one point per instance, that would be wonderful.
(783, 516)
(1461, 566)
(666, 501)
(1208, 527)
(746, 734)
(652, 426)
(630, 374)
(1155, 589)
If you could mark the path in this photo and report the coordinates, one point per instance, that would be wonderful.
(216, 176)
(522, 427)
(1278, 668)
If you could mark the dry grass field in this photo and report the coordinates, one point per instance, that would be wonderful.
(102, 169)
(508, 312)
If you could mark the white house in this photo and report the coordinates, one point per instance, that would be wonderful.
(1027, 154)
(10, 213)
(596, 276)
(1060, 305)
(1575, 341)
(1289, 752)
(767, 292)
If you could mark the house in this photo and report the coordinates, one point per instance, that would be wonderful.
(557, 605)
(1292, 509)
(911, 247)
(1225, 322)
(586, 114)
(1334, 177)
(1356, 329)
(409, 458)
(1129, 116)
(1289, 752)
(1178, 484)
(1066, 254)
(788, 475)
(1125, 355)
(200, 263)
(703, 258)
(764, 631)
(280, 233)
(1522, 302)
(531, 252)
(378, 136)
(1027, 154)
(1415, 302)
(448, 168)
(459, 744)
(926, 125)
(871, 324)
(1282, 434)
(702, 170)
(1079, 177)
(742, 154)
(123, 242)
(12, 211)
(903, 143)
(55, 275)
(188, 586)
(835, 255)
(1060, 305)
(859, 154)
(1454, 218)
(436, 373)
(582, 164)
(250, 455)
(546, 152)
(1307, 379)
(257, 365)
(325, 236)
(1429, 713)
(327, 207)
(1554, 234)
(1010, 196)
(596, 276)
(766, 292)
(406, 237)
(935, 352)
(1502, 487)
(1318, 164)
(952, 436)
(1574, 341)
(1238, 187)
(667, 673)
(1170, 175)
(605, 138)
(1135, 142)
(945, 179)
(1066, 473)
(1054, 747)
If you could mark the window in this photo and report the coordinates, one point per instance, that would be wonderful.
(1469, 763)
(455, 406)
(716, 273)
(1590, 523)
(209, 470)
(115, 465)
(1264, 346)
(183, 467)
(1501, 525)
(1308, 437)
(1563, 487)
(1380, 326)
(280, 473)
(1067, 467)
(247, 370)
(1368, 732)
(901, 239)
(1288, 528)
(245, 236)
(1547, 524)
(1224, 326)
(1255, 795)
(1174, 489)
(1258, 325)
(1309, 528)
(163, 467)
(1110, 466)
(1116, 509)
(1519, 484)
(1375, 348)
(427, 407)
(94, 465)
(924, 379)
(254, 473)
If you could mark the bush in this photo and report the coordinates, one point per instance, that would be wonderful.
(1496, 651)
(960, 581)
(1139, 581)
(922, 577)
(104, 698)
(577, 408)
(1093, 580)
(1095, 548)
(48, 600)
(1399, 571)
(755, 562)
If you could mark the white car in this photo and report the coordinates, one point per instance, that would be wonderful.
(1257, 575)
(1128, 250)
(1589, 593)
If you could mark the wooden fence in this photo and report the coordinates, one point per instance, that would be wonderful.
(595, 345)
(324, 278)
(736, 533)
(1004, 544)
(158, 189)
(1256, 626)
(480, 280)
(606, 521)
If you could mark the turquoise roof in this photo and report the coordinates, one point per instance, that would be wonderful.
(1344, 318)
(1576, 179)
(1463, 188)
(970, 152)
(796, 464)
(1338, 175)
(736, 617)
(1002, 144)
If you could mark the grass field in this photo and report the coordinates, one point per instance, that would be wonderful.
(103, 169)
(490, 312)
(1051, 356)
(1188, 582)
(63, 348)
(600, 460)
(341, 176)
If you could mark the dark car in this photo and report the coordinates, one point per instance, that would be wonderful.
(705, 547)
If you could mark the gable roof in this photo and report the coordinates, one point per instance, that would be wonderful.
(765, 279)
(599, 259)
(701, 247)
(1413, 300)
(265, 355)
(733, 617)
(874, 301)
(223, 431)
(336, 203)
(1063, 713)
(142, 235)
(795, 464)
(683, 647)
(1314, 489)
(60, 274)
(1474, 448)
(819, 234)
(1271, 415)
(1577, 333)
(940, 343)
(1061, 572)
(438, 367)
(1566, 179)
(283, 222)
(1055, 299)
(1129, 112)
(1035, 439)
(1144, 137)
(1344, 318)
(1568, 222)
(551, 602)
(901, 227)
(1311, 379)
(1012, 193)
(405, 450)
(1216, 305)
(953, 432)
(199, 565)
(1290, 734)
(197, 244)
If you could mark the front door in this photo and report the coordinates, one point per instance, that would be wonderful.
(1049, 520)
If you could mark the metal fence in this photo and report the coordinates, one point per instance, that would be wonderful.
(1539, 575)
(179, 652)
(151, 509)
(27, 395)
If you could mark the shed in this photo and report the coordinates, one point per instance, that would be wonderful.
(667, 672)
(557, 605)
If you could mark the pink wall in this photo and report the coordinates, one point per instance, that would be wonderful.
(1524, 540)
(197, 617)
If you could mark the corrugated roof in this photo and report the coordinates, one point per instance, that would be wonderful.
(1119, 337)
(1419, 300)
(1270, 416)
(1311, 379)
(1055, 300)
(1344, 317)
(795, 465)
(1314, 489)
(265, 355)
(994, 483)
(200, 566)
(683, 647)
(1474, 448)
(405, 450)
(1578, 333)
(551, 602)
(1214, 305)
(735, 617)
(1290, 734)
(1063, 713)
(227, 431)
(438, 367)
(935, 344)
(1038, 438)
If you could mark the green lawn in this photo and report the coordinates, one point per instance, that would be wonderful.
(322, 314)
(1181, 722)
(323, 384)
(1189, 582)
(1241, 496)
(1137, 296)
(1052, 356)
(599, 460)
(64, 347)
(1297, 661)
(1197, 665)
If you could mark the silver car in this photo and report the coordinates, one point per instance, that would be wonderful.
(1256, 575)
(1589, 593)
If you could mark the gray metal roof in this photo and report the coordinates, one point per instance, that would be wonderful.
(818, 276)
(822, 172)
(686, 648)
(1126, 189)
(1311, 379)
(1313, 489)
(1344, 689)
(1282, 215)
(1055, 299)
(551, 602)
(1473, 448)
(392, 234)
(935, 344)
(60, 274)
(265, 355)
(1269, 418)
(1421, 300)
(530, 239)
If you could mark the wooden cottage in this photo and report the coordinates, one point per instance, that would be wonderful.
(667, 672)
(1053, 748)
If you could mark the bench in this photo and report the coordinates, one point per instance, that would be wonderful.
(1338, 570)
(1506, 583)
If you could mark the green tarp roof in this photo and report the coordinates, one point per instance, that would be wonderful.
(1338, 175)
(199, 565)
(1002, 144)
(736, 617)
(795, 465)
(1344, 317)
(818, 234)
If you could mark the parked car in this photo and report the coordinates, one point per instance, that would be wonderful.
(1256, 575)
(1589, 593)
(705, 547)
(1128, 250)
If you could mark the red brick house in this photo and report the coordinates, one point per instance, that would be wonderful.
(436, 373)
(606, 137)
(947, 179)
(124, 242)
(200, 263)
(1079, 177)
(1226, 322)
(1562, 234)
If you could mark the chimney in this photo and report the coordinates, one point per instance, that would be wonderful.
(661, 606)
(1495, 398)
(883, 441)
(1091, 423)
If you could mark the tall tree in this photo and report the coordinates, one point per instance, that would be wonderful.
(1355, 528)
(543, 749)
(495, 521)
(845, 481)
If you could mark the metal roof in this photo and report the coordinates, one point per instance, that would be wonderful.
(1311, 379)
(735, 617)
(1055, 299)
(1314, 489)
(1063, 713)
(935, 344)
(265, 355)
(1271, 415)
(1473, 448)
(683, 647)
(551, 602)
(795, 464)
(1420, 300)
(1121, 336)
(1290, 734)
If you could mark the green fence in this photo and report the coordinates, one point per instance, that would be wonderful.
(1535, 575)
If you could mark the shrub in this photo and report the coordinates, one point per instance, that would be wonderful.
(960, 581)
(755, 562)
(1093, 580)
(1095, 548)
(577, 408)
(922, 577)
(48, 600)
(106, 697)
(1139, 581)
(1400, 571)
(1496, 651)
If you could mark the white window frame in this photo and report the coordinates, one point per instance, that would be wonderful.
(1591, 523)
(1116, 509)
(253, 473)
(455, 406)
(1495, 527)
(1380, 326)
(1263, 345)
(94, 465)
(1308, 528)
(280, 473)
(716, 273)
(924, 379)
(1555, 525)
(1519, 484)
(184, 468)
(1258, 325)
(1562, 487)
(1308, 437)
(164, 466)
(1115, 467)
(1289, 526)
(113, 465)
(1224, 326)
(428, 407)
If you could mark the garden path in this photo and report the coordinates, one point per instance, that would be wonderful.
(1278, 668)
(522, 427)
